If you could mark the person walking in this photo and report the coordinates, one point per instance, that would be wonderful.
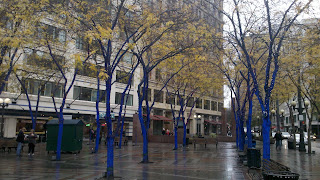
(20, 140)
(32, 142)
(278, 138)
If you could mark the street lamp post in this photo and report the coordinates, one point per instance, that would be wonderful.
(198, 118)
(282, 116)
(273, 112)
(259, 123)
(291, 108)
(4, 103)
(302, 146)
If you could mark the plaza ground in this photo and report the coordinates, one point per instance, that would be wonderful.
(190, 163)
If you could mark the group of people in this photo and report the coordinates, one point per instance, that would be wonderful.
(31, 138)
(278, 136)
(166, 132)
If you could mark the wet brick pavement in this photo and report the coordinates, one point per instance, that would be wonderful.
(189, 164)
(307, 165)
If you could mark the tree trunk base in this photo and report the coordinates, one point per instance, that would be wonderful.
(145, 162)
(110, 177)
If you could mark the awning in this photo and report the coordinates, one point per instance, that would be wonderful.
(158, 118)
(212, 122)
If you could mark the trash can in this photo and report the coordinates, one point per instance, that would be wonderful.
(254, 157)
(187, 141)
(291, 143)
(72, 135)
(254, 143)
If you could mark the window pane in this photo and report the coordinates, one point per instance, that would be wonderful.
(220, 106)
(158, 96)
(190, 102)
(123, 77)
(76, 92)
(94, 95)
(207, 104)
(118, 98)
(199, 103)
(129, 100)
(35, 87)
(213, 106)
(48, 89)
(57, 91)
(127, 58)
(62, 36)
(85, 94)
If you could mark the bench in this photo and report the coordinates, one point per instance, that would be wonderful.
(274, 170)
(124, 140)
(204, 141)
(8, 144)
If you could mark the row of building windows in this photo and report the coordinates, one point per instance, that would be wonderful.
(171, 99)
(79, 93)
(43, 88)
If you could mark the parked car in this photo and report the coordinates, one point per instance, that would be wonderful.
(298, 139)
(312, 137)
(285, 135)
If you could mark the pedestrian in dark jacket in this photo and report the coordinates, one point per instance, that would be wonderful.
(20, 140)
(32, 142)
(278, 138)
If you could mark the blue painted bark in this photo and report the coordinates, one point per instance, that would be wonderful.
(249, 134)
(123, 95)
(28, 99)
(65, 91)
(235, 119)
(97, 114)
(9, 71)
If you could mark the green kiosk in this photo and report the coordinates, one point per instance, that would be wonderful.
(72, 135)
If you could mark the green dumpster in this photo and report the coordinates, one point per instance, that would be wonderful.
(72, 135)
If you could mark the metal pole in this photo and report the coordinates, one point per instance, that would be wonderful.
(2, 120)
(278, 115)
(302, 146)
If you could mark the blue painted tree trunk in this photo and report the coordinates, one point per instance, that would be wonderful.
(249, 134)
(8, 73)
(176, 134)
(97, 114)
(241, 135)
(184, 134)
(59, 142)
(110, 138)
(266, 137)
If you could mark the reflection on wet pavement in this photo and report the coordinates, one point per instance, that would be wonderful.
(188, 163)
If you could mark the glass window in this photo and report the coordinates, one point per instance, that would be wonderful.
(158, 96)
(57, 91)
(158, 75)
(190, 102)
(149, 94)
(62, 36)
(199, 103)
(287, 120)
(94, 95)
(79, 43)
(76, 92)
(123, 77)
(47, 89)
(170, 99)
(127, 58)
(158, 112)
(85, 94)
(128, 99)
(220, 106)
(214, 106)
(207, 104)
